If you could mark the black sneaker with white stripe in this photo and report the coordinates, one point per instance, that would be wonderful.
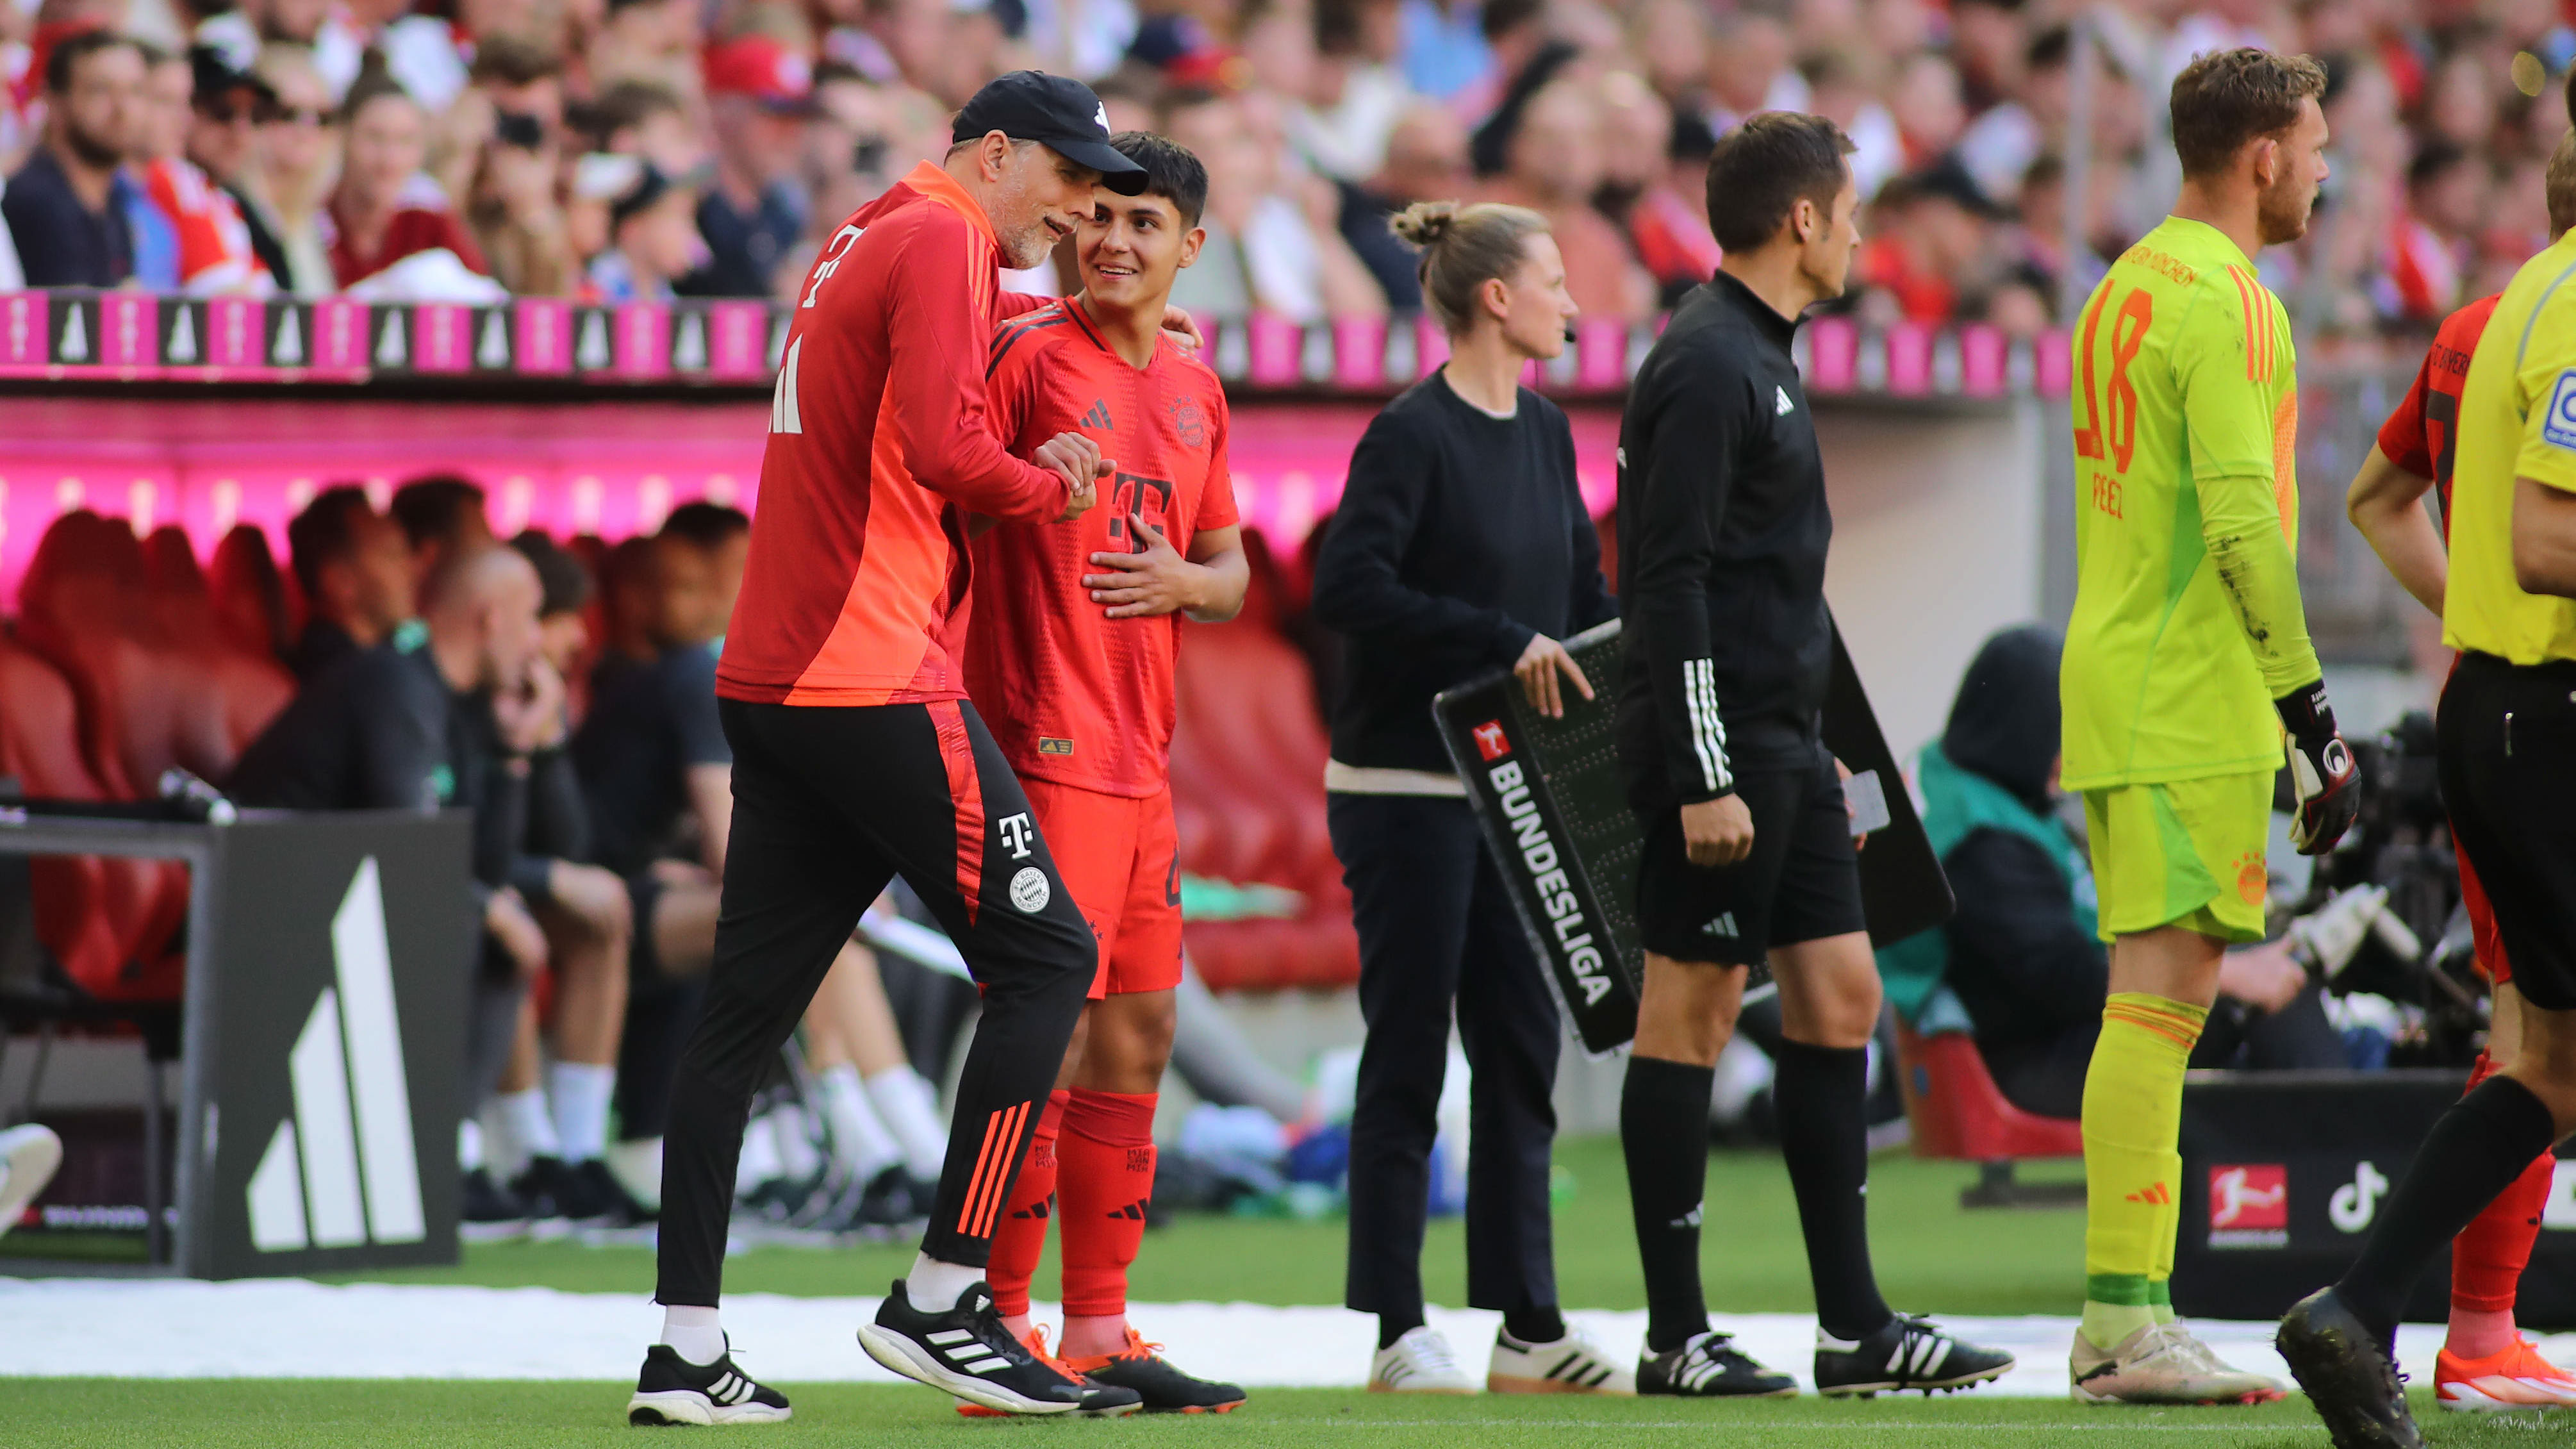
(967, 1352)
(1909, 1353)
(672, 1390)
(1710, 1366)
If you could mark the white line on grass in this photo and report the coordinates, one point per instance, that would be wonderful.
(1868, 1426)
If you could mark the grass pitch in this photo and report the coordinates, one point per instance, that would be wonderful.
(1932, 1256)
(325, 1414)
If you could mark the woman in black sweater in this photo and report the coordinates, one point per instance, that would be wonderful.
(1460, 546)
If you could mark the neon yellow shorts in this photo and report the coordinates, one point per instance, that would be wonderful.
(2183, 853)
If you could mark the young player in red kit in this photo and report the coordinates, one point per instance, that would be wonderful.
(1073, 665)
(2486, 1363)
(858, 757)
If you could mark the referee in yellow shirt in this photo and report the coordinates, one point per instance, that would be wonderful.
(2508, 758)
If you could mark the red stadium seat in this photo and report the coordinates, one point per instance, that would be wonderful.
(156, 684)
(1958, 1113)
(79, 900)
(1248, 798)
(254, 603)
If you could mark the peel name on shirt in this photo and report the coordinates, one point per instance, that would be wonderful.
(1548, 878)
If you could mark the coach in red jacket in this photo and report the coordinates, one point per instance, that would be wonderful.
(857, 756)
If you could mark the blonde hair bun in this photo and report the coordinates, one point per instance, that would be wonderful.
(1424, 223)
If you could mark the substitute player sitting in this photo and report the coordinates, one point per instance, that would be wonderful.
(1071, 660)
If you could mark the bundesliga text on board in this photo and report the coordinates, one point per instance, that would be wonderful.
(1573, 938)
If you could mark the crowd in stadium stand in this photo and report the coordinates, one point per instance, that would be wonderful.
(642, 149)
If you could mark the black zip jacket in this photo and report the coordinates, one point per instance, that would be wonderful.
(1722, 535)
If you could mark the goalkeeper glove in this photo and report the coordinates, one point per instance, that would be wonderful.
(2322, 773)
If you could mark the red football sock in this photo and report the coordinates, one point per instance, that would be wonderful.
(1108, 1152)
(2488, 1257)
(1020, 1234)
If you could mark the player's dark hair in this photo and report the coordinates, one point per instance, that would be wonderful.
(2227, 99)
(326, 532)
(432, 507)
(1172, 171)
(72, 50)
(1761, 170)
(708, 525)
(1463, 248)
(563, 583)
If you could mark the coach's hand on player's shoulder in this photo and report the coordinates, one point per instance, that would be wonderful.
(1155, 579)
(1538, 667)
(1184, 331)
(1077, 460)
(1717, 832)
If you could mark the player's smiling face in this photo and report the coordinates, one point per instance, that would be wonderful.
(1131, 247)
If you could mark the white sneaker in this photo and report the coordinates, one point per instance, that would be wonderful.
(1418, 1363)
(1573, 1364)
(28, 1157)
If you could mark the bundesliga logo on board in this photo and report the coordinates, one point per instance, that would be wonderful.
(2249, 1206)
(1490, 742)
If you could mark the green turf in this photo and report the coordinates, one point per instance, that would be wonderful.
(1932, 1256)
(332, 1414)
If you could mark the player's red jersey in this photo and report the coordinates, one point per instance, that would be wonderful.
(1072, 695)
(855, 592)
(2423, 435)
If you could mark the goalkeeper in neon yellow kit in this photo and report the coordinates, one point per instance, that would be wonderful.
(2187, 660)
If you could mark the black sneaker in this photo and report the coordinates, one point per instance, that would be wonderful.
(878, 1210)
(2348, 1374)
(1710, 1366)
(1164, 1389)
(967, 1352)
(591, 1196)
(487, 1212)
(672, 1390)
(1909, 1353)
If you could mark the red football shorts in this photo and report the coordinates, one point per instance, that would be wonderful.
(2482, 926)
(1121, 858)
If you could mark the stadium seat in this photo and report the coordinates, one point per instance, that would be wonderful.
(1248, 799)
(1959, 1113)
(79, 900)
(254, 601)
(156, 685)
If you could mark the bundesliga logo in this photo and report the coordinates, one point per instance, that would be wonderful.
(1490, 742)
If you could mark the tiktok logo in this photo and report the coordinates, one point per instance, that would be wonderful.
(1017, 832)
(2356, 1202)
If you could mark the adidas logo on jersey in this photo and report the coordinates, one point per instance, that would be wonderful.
(1723, 926)
(1689, 1219)
(1782, 406)
(1098, 417)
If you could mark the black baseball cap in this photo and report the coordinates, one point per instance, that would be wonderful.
(1059, 113)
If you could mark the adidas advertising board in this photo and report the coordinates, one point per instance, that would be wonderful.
(326, 1124)
(1549, 797)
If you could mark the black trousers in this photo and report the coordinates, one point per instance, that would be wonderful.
(1436, 927)
(829, 804)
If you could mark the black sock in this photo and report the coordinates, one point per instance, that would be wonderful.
(2474, 1152)
(1663, 1130)
(1823, 1099)
(1392, 1326)
(1534, 1323)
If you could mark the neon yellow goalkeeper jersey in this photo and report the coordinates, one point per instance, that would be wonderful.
(2187, 621)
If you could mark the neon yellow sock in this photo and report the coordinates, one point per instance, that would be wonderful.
(2132, 1119)
(2160, 1277)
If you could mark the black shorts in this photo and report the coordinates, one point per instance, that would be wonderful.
(1801, 883)
(2508, 755)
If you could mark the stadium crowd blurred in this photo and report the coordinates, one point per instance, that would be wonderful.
(640, 149)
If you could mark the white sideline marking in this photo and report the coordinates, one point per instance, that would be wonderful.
(291, 1328)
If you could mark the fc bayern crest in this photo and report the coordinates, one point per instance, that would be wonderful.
(1188, 421)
